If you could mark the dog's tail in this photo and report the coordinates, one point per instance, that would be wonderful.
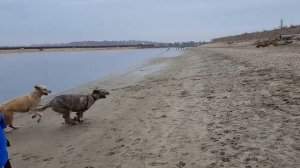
(44, 107)
(38, 111)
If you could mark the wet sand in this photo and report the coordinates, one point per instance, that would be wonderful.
(210, 107)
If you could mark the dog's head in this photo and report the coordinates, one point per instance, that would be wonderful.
(100, 93)
(42, 89)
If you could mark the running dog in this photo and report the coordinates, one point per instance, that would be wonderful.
(25, 103)
(64, 104)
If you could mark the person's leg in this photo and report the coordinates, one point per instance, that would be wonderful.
(7, 165)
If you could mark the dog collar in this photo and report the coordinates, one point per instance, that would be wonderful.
(94, 97)
(87, 103)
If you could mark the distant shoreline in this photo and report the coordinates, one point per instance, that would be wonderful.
(13, 50)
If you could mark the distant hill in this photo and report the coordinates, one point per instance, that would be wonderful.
(99, 43)
(105, 44)
(269, 34)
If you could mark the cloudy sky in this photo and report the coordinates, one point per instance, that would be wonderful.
(24, 22)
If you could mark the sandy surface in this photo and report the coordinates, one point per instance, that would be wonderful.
(211, 107)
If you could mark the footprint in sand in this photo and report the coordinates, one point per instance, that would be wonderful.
(119, 140)
(29, 157)
(48, 159)
(110, 153)
(157, 163)
(180, 164)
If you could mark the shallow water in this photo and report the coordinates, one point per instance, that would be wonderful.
(63, 70)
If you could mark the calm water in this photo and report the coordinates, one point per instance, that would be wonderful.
(62, 70)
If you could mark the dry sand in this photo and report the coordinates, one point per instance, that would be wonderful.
(211, 107)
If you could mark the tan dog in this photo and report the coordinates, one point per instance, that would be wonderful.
(25, 103)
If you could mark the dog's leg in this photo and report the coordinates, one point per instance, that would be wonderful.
(79, 115)
(39, 114)
(34, 115)
(67, 118)
(9, 117)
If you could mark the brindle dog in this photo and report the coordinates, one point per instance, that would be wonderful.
(65, 104)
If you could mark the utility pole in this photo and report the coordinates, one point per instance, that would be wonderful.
(281, 23)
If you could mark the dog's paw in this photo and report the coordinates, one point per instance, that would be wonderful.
(14, 127)
(78, 119)
(8, 130)
(33, 116)
(72, 122)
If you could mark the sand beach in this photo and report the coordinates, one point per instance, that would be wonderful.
(217, 105)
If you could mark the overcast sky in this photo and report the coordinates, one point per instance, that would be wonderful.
(25, 22)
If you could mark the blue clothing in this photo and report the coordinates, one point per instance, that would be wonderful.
(3, 143)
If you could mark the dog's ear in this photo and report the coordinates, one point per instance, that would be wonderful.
(37, 86)
(96, 91)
